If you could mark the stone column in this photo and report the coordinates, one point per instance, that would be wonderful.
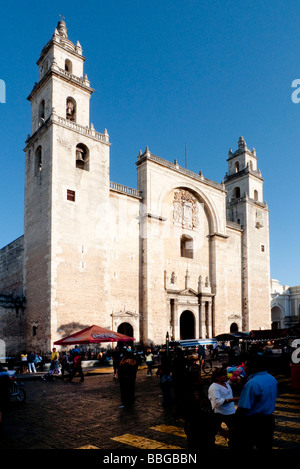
(209, 319)
(176, 321)
(202, 319)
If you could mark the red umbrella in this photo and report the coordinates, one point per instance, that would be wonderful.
(94, 335)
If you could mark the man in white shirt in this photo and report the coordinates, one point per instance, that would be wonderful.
(222, 400)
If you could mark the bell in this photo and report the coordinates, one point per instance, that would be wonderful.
(79, 155)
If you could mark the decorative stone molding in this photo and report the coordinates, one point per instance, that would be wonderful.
(185, 209)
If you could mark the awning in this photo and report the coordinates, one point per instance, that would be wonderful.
(197, 342)
(230, 336)
(94, 335)
(270, 334)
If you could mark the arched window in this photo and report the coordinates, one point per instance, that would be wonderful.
(82, 157)
(237, 192)
(237, 167)
(71, 109)
(42, 113)
(255, 195)
(68, 66)
(38, 161)
(186, 246)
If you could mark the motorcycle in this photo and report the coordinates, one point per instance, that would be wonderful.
(16, 391)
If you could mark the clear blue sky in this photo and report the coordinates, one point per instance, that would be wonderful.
(166, 74)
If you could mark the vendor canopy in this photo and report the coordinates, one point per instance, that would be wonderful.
(94, 335)
(232, 336)
(270, 334)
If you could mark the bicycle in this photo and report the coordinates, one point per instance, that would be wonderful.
(17, 392)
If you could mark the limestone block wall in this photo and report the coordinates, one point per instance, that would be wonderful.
(45, 95)
(227, 281)
(12, 327)
(12, 316)
(37, 237)
(11, 267)
(155, 310)
(124, 245)
(80, 232)
(258, 268)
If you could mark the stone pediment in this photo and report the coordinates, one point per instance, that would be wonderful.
(124, 314)
(234, 316)
(188, 292)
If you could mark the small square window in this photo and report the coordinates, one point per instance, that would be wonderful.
(262, 248)
(70, 195)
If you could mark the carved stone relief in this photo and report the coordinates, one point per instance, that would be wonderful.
(185, 209)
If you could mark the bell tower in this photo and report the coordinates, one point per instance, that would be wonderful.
(66, 199)
(245, 206)
(242, 180)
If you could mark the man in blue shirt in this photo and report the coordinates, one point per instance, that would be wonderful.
(255, 421)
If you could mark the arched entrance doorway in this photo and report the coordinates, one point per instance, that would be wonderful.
(126, 329)
(234, 327)
(187, 325)
(276, 317)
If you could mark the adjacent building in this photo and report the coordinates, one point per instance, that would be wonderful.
(285, 305)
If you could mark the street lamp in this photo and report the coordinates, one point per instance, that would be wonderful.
(167, 343)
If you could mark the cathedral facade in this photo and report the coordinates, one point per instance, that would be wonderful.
(181, 254)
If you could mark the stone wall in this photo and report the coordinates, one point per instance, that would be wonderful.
(12, 304)
(11, 268)
(12, 325)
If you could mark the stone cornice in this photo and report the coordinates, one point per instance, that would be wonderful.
(242, 173)
(175, 167)
(218, 235)
(246, 198)
(68, 77)
(54, 119)
(240, 152)
(233, 225)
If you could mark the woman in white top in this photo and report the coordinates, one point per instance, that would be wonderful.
(222, 400)
(149, 362)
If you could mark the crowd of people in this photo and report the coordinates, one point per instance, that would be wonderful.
(238, 402)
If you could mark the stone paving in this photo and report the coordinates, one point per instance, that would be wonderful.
(63, 415)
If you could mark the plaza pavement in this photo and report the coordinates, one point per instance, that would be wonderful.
(63, 415)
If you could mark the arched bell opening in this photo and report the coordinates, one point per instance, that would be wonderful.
(71, 109)
(82, 157)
